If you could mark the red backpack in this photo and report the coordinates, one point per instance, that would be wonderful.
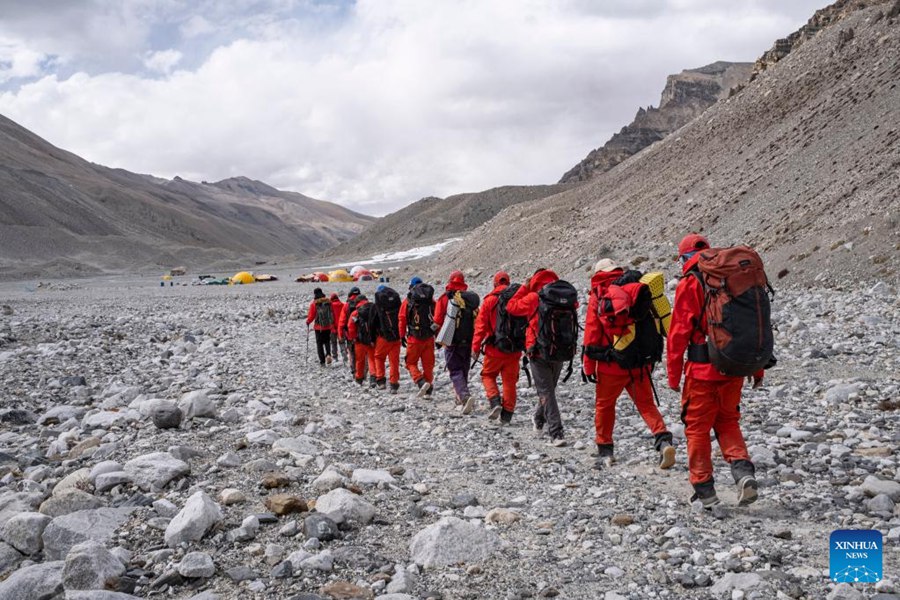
(738, 309)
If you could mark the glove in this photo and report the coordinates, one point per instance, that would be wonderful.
(585, 378)
(403, 342)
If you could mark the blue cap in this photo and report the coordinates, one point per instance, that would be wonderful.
(381, 288)
(415, 281)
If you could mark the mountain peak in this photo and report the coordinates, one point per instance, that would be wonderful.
(246, 186)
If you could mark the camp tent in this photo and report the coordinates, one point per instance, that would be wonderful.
(356, 270)
(243, 277)
(363, 275)
(340, 275)
(266, 277)
(167, 278)
(323, 277)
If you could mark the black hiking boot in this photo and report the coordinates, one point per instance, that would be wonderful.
(605, 458)
(395, 387)
(705, 493)
(381, 383)
(494, 409)
(360, 380)
(663, 445)
(505, 416)
(373, 383)
(744, 474)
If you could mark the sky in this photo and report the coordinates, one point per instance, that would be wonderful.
(372, 104)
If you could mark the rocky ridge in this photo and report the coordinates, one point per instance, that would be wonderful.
(685, 96)
(283, 479)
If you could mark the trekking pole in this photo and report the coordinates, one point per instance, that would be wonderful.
(307, 346)
(653, 387)
(527, 371)
(475, 360)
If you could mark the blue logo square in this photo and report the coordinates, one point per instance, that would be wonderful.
(856, 556)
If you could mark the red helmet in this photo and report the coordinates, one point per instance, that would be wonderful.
(501, 278)
(692, 242)
(457, 276)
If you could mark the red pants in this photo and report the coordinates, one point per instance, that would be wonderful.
(507, 367)
(363, 354)
(420, 351)
(711, 405)
(390, 351)
(609, 387)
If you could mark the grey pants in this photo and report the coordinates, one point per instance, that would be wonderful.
(546, 377)
(337, 346)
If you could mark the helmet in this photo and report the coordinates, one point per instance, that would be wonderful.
(415, 281)
(500, 278)
(691, 243)
(354, 291)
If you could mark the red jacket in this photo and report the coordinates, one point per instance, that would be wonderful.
(351, 322)
(525, 301)
(344, 318)
(689, 327)
(311, 316)
(337, 308)
(486, 323)
(440, 306)
(596, 331)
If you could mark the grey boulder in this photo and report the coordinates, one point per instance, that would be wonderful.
(90, 566)
(23, 532)
(451, 541)
(68, 530)
(155, 470)
(199, 515)
(42, 581)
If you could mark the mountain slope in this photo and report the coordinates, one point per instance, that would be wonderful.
(60, 214)
(434, 219)
(802, 163)
(685, 96)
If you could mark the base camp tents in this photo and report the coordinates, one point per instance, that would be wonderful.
(243, 277)
(340, 275)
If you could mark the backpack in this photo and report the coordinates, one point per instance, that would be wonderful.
(557, 335)
(324, 315)
(420, 312)
(465, 318)
(387, 311)
(365, 317)
(351, 306)
(626, 307)
(737, 308)
(509, 332)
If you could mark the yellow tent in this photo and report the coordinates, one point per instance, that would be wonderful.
(339, 275)
(167, 277)
(243, 277)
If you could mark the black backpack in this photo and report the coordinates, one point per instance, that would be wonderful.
(351, 306)
(557, 336)
(509, 332)
(324, 314)
(387, 312)
(420, 312)
(365, 320)
(465, 320)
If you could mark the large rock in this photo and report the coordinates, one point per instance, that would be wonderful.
(167, 416)
(296, 447)
(13, 503)
(98, 595)
(736, 581)
(343, 505)
(199, 515)
(197, 564)
(10, 558)
(23, 532)
(79, 479)
(320, 527)
(371, 476)
(451, 541)
(68, 530)
(328, 480)
(69, 501)
(42, 581)
(872, 486)
(197, 404)
(844, 591)
(155, 470)
(90, 566)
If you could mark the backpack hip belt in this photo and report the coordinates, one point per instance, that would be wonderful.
(698, 353)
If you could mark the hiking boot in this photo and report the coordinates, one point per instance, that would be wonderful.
(381, 383)
(419, 383)
(705, 494)
(537, 426)
(605, 458)
(373, 383)
(360, 380)
(557, 442)
(395, 387)
(468, 405)
(494, 409)
(328, 360)
(747, 490)
(424, 389)
(430, 389)
(666, 455)
(505, 416)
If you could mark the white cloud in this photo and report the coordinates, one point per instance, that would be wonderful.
(400, 99)
(162, 61)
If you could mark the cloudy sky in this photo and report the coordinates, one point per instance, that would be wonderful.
(373, 103)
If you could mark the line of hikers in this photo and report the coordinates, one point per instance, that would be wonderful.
(720, 321)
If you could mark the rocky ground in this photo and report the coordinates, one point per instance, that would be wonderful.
(175, 442)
